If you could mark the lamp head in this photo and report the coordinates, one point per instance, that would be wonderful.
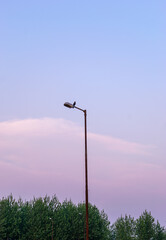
(69, 105)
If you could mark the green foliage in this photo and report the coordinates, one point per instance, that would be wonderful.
(66, 221)
(164, 235)
(36, 219)
(98, 224)
(125, 228)
(40, 218)
(145, 227)
(9, 218)
(159, 232)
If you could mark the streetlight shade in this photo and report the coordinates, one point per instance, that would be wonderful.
(69, 105)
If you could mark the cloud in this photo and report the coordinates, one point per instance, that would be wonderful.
(46, 156)
(43, 144)
(122, 146)
(53, 128)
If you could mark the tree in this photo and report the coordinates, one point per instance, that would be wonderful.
(124, 228)
(9, 218)
(67, 221)
(99, 225)
(34, 220)
(40, 223)
(25, 210)
(164, 235)
(3, 218)
(72, 222)
(159, 232)
(145, 226)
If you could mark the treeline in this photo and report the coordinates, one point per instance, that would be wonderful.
(40, 218)
(143, 228)
(46, 218)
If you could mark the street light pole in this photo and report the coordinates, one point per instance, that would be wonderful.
(86, 178)
(69, 105)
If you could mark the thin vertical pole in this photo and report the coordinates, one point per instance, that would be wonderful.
(86, 179)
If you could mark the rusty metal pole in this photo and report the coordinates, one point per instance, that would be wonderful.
(86, 179)
(69, 105)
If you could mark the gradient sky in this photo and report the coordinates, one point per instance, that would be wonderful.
(110, 57)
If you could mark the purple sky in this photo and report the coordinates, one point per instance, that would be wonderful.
(109, 57)
(46, 156)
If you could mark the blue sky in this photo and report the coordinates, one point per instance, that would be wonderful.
(108, 56)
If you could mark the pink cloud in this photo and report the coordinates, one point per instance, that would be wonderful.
(46, 156)
(121, 145)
